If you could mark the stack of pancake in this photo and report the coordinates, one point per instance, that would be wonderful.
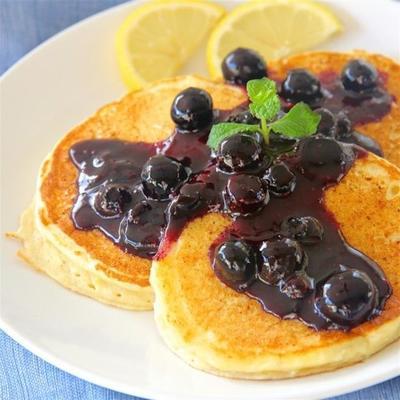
(209, 325)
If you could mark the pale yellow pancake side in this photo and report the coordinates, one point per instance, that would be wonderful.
(86, 261)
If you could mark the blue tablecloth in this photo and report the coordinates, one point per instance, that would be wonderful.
(23, 25)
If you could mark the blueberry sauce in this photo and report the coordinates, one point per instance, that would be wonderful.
(359, 107)
(139, 225)
(283, 248)
(326, 252)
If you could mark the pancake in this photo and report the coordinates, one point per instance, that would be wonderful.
(387, 130)
(86, 261)
(216, 329)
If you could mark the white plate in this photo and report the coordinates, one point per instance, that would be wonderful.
(48, 92)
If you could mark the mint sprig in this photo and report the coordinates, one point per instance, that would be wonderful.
(265, 105)
(265, 102)
(300, 121)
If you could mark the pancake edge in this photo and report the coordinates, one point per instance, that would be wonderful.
(199, 352)
(50, 250)
(269, 366)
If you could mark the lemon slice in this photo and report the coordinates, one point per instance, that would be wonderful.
(158, 37)
(274, 28)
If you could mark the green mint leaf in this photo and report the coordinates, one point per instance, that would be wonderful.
(267, 110)
(260, 89)
(299, 122)
(221, 131)
(265, 102)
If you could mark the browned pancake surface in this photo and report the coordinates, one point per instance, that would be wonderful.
(385, 131)
(140, 116)
(235, 325)
(144, 116)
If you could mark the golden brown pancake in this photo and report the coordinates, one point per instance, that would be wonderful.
(216, 329)
(87, 261)
(387, 130)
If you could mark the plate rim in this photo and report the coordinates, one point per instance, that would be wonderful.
(124, 388)
(109, 383)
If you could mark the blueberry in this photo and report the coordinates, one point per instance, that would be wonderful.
(192, 109)
(137, 212)
(297, 286)
(359, 76)
(300, 85)
(307, 230)
(235, 263)
(111, 199)
(281, 144)
(162, 176)
(243, 117)
(259, 138)
(344, 126)
(322, 158)
(245, 194)
(327, 124)
(242, 65)
(191, 199)
(280, 259)
(347, 298)
(281, 181)
(239, 152)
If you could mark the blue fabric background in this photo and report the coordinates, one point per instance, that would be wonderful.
(23, 25)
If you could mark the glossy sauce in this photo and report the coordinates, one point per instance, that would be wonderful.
(144, 223)
(360, 108)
